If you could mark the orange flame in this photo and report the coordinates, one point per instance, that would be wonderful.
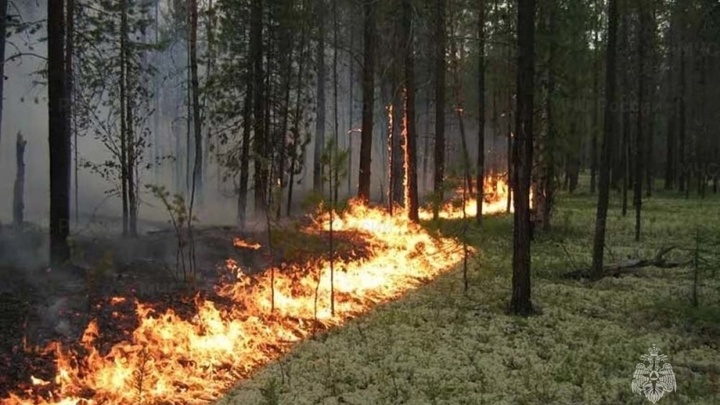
(239, 243)
(495, 201)
(170, 359)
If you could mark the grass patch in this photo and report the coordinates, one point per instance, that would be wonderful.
(439, 346)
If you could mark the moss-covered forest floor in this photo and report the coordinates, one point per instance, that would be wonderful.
(438, 345)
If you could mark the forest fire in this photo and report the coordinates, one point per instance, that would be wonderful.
(170, 359)
(495, 201)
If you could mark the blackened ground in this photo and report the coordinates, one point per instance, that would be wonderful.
(39, 305)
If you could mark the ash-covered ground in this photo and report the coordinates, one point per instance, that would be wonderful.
(39, 304)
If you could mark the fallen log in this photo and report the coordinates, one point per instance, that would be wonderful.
(631, 266)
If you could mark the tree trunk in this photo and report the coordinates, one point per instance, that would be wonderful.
(297, 118)
(460, 111)
(609, 120)
(128, 117)
(320, 123)
(259, 141)
(3, 29)
(69, 52)
(409, 124)
(510, 158)
(368, 89)
(640, 146)
(440, 44)
(396, 145)
(547, 194)
(58, 137)
(480, 181)
(521, 303)
(336, 144)
(683, 182)
(595, 113)
(19, 186)
(124, 169)
(197, 184)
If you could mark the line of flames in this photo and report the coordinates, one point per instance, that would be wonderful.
(175, 360)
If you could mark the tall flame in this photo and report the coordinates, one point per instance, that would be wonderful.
(496, 192)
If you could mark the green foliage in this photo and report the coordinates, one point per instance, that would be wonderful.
(182, 223)
(97, 104)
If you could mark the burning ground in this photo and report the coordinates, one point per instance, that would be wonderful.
(190, 349)
(440, 346)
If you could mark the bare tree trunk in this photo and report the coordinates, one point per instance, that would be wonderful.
(320, 123)
(509, 157)
(197, 182)
(683, 182)
(480, 181)
(368, 89)
(609, 119)
(243, 186)
(259, 142)
(69, 52)
(59, 139)
(440, 66)
(19, 186)
(3, 29)
(595, 113)
(351, 103)
(521, 303)
(124, 141)
(409, 125)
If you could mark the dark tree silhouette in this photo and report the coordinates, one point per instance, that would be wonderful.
(607, 141)
(59, 139)
(521, 303)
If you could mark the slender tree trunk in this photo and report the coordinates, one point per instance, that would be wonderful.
(440, 66)
(129, 125)
(604, 180)
(320, 123)
(124, 141)
(297, 118)
(3, 29)
(683, 182)
(595, 113)
(521, 303)
(547, 196)
(480, 182)
(368, 89)
(336, 145)
(671, 140)
(409, 124)
(19, 186)
(259, 142)
(640, 146)
(351, 103)
(510, 158)
(243, 186)
(460, 110)
(69, 52)
(396, 145)
(197, 184)
(58, 137)
(282, 138)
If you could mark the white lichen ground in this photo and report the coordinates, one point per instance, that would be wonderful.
(439, 346)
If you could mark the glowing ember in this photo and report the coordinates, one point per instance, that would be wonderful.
(169, 359)
(239, 243)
